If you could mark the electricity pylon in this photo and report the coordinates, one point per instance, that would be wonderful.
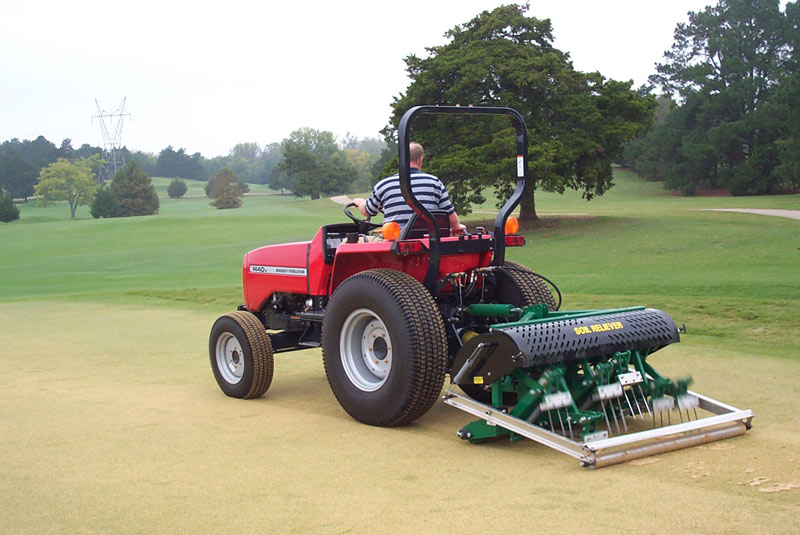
(111, 126)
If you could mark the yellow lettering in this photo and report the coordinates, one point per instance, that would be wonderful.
(599, 328)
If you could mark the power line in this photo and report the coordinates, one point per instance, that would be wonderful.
(111, 127)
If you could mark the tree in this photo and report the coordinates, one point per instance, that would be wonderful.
(17, 175)
(641, 153)
(105, 204)
(73, 182)
(786, 108)
(224, 190)
(727, 65)
(176, 188)
(8, 212)
(247, 151)
(177, 163)
(66, 150)
(363, 154)
(146, 161)
(577, 122)
(40, 152)
(86, 150)
(314, 164)
(134, 191)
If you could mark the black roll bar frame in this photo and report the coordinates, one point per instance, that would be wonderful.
(499, 234)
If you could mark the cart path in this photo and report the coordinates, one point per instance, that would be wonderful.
(342, 199)
(791, 214)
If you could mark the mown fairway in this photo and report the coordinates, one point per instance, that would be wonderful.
(111, 420)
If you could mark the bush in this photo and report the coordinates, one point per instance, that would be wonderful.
(228, 199)
(134, 191)
(176, 188)
(224, 189)
(8, 212)
(105, 204)
(131, 193)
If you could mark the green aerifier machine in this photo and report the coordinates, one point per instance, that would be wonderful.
(579, 382)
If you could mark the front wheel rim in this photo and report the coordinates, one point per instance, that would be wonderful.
(230, 358)
(366, 350)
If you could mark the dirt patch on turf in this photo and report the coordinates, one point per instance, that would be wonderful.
(644, 461)
(780, 487)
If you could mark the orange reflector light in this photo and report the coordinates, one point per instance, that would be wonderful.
(390, 231)
(512, 225)
(515, 241)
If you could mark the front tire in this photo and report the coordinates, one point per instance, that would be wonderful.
(384, 347)
(241, 355)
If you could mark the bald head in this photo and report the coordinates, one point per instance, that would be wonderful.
(415, 154)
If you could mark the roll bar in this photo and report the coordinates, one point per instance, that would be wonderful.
(424, 213)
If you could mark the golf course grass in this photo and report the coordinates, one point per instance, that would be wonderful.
(112, 422)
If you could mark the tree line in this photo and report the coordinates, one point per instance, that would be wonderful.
(729, 116)
(351, 161)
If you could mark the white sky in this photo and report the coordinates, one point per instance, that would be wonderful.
(206, 77)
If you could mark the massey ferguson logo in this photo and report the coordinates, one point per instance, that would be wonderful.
(278, 270)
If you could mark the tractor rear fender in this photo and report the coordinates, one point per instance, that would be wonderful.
(352, 258)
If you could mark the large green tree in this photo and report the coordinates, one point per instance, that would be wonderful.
(726, 66)
(314, 164)
(74, 182)
(577, 122)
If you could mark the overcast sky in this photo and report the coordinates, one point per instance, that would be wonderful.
(206, 78)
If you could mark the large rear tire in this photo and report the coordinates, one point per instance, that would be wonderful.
(515, 285)
(384, 347)
(519, 286)
(241, 355)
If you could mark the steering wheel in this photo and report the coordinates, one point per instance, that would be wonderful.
(364, 225)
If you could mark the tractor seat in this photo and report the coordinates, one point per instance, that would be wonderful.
(420, 230)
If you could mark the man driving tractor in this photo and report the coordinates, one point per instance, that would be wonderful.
(386, 196)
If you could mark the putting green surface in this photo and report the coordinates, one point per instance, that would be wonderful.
(112, 423)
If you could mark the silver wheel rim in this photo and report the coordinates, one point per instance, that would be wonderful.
(230, 358)
(366, 350)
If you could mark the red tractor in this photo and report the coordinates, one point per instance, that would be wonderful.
(395, 316)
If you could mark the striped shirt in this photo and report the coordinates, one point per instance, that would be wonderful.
(386, 197)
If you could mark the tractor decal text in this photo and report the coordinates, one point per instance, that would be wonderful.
(599, 328)
(279, 270)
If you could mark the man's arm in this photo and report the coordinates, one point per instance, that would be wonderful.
(361, 203)
(455, 226)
